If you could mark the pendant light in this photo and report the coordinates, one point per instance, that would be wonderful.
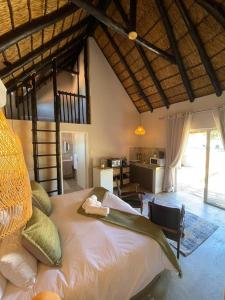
(15, 190)
(140, 129)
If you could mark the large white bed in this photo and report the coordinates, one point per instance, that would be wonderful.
(100, 261)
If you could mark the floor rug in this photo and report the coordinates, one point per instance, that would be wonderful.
(197, 230)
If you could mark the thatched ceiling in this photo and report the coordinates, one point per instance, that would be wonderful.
(196, 41)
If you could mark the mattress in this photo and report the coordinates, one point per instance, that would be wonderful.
(101, 261)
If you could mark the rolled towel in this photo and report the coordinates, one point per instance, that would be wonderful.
(101, 211)
(94, 197)
(91, 202)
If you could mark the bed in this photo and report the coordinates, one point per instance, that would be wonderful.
(100, 261)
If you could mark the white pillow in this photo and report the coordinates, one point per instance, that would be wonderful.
(2, 285)
(16, 263)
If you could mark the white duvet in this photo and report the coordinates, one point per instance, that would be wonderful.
(100, 261)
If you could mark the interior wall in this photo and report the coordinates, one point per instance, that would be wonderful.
(113, 116)
(155, 122)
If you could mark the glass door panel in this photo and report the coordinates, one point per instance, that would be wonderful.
(216, 177)
(192, 171)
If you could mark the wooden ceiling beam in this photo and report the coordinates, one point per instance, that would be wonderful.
(145, 60)
(123, 60)
(200, 47)
(104, 19)
(173, 44)
(153, 76)
(61, 54)
(121, 11)
(215, 9)
(133, 15)
(93, 23)
(10, 38)
(43, 48)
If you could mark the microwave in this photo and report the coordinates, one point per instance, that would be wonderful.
(114, 162)
(157, 161)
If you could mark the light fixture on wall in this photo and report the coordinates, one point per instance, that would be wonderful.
(15, 191)
(140, 129)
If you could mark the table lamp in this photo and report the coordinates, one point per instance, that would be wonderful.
(15, 190)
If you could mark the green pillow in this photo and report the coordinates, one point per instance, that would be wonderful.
(40, 198)
(41, 238)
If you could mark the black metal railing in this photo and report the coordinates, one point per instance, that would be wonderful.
(18, 104)
(73, 108)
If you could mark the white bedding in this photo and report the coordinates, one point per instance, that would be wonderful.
(100, 261)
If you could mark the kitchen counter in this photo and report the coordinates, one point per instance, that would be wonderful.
(145, 165)
(150, 177)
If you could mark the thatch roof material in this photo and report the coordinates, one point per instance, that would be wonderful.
(167, 85)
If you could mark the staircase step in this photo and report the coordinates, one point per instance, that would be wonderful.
(50, 192)
(47, 180)
(45, 143)
(44, 155)
(45, 130)
(44, 168)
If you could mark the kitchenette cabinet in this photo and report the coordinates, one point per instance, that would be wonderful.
(149, 177)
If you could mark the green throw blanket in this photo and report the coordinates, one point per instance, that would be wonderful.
(134, 223)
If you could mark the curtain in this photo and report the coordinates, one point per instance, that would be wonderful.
(219, 118)
(178, 127)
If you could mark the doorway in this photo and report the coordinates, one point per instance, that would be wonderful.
(202, 168)
(74, 161)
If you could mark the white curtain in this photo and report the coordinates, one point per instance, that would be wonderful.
(219, 117)
(178, 127)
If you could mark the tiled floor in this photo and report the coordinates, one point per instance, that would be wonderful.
(70, 185)
(203, 270)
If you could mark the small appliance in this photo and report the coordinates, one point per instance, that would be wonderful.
(114, 162)
(157, 161)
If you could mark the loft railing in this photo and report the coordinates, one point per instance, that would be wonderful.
(18, 104)
(73, 108)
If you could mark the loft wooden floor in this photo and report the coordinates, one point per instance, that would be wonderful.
(203, 270)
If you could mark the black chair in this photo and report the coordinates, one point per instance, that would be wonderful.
(170, 219)
(130, 193)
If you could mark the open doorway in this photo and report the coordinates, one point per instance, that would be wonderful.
(202, 168)
(74, 161)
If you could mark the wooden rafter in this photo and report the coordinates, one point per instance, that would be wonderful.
(145, 60)
(40, 50)
(61, 54)
(121, 11)
(104, 19)
(123, 60)
(173, 43)
(93, 23)
(133, 15)
(153, 76)
(10, 38)
(215, 9)
(200, 47)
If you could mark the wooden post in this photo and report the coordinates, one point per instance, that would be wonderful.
(57, 124)
(87, 86)
(34, 127)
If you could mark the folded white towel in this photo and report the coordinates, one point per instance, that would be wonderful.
(101, 211)
(94, 197)
(91, 202)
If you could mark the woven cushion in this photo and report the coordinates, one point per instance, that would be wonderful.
(40, 237)
(40, 198)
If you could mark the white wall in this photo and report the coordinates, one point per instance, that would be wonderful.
(155, 123)
(113, 116)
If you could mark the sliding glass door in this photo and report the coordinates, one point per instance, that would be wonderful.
(202, 169)
(216, 173)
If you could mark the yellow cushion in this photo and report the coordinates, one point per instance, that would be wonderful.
(46, 296)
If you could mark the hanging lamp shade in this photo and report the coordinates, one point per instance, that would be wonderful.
(139, 130)
(15, 191)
